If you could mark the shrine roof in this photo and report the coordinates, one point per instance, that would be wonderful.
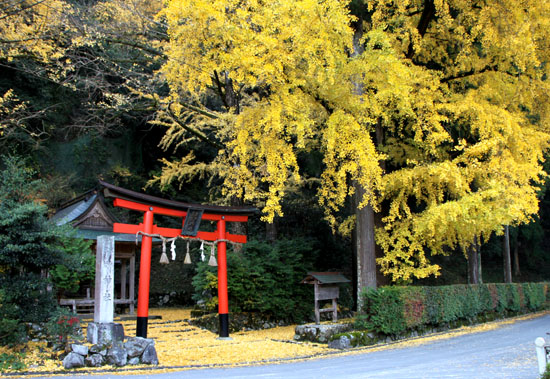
(74, 209)
(80, 209)
(325, 278)
(111, 190)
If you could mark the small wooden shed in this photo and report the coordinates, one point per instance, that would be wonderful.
(89, 214)
(326, 287)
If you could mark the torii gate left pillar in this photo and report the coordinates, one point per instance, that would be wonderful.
(148, 227)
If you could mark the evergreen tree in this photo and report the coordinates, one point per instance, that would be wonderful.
(28, 249)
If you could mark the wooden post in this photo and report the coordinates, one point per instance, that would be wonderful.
(316, 294)
(131, 286)
(123, 279)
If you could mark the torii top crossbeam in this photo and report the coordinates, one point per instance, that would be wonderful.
(191, 215)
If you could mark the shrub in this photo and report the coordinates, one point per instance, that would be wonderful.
(12, 330)
(263, 277)
(78, 264)
(494, 296)
(393, 310)
(414, 306)
(486, 301)
(451, 304)
(502, 295)
(471, 301)
(515, 303)
(63, 326)
(13, 361)
(534, 294)
(385, 310)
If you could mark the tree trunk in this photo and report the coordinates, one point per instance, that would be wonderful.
(506, 255)
(517, 271)
(473, 265)
(479, 265)
(354, 267)
(365, 244)
(271, 231)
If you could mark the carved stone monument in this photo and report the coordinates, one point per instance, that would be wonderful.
(104, 279)
(103, 330)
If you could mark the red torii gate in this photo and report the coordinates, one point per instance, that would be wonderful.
(151, 205)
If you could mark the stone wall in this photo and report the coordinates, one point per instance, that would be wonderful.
(134, 351)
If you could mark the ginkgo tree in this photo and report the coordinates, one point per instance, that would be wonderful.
(436, 111)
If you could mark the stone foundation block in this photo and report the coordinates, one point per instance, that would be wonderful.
(105, 333)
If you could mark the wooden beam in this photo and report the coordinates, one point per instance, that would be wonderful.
(132, 205)
(171, 232)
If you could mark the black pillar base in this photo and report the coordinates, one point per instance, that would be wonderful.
(141, 327)
(224, 325)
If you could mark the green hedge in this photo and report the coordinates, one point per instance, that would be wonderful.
(396, 310)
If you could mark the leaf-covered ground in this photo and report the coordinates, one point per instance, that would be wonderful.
(181, 345)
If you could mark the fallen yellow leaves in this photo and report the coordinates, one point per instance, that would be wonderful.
(181, 345)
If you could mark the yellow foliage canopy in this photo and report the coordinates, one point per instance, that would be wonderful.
(459, 90)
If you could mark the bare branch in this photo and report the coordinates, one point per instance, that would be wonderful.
(203, 137)
(8, 14)
(428, 14)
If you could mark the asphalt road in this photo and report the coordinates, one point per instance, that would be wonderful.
(506, 352)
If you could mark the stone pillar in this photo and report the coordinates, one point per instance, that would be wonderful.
(540, 348)
(103, 330)
(104, 279)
